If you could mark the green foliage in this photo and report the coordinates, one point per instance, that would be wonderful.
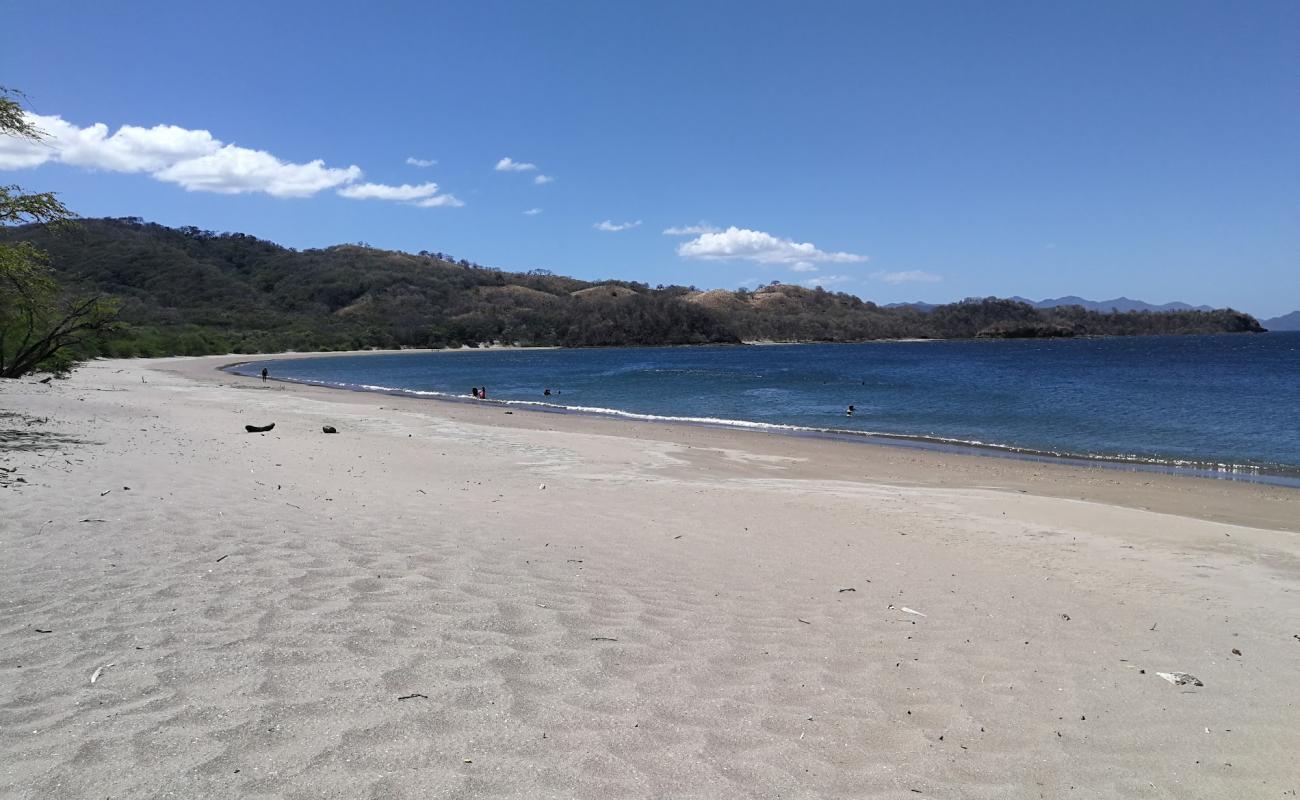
(188, 291)
(41, 326)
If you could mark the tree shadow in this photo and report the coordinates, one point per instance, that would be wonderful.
(30, 437)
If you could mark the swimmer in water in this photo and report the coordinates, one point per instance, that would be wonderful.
(850, 411)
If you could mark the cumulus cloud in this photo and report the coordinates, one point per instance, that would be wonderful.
(532, 212)
(199, 162)
(424, 195)
(420, 162)
(508, 164)
(803, 267)
(543, 179)
(381, 191)
(193, 159)
(741, 243)
(690, 230)
(130, 149)
(236, 170)
(613, 227)
(909, 276)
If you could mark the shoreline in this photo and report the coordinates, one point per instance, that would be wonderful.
(1211, 498)
(1272, 475)
(466, 600)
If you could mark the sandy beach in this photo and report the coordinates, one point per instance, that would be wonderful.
(448, 600)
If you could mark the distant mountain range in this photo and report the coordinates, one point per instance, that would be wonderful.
(1286, 322)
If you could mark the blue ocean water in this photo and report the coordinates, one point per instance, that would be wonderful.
(1229, 403)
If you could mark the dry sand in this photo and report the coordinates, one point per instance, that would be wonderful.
(680, 612)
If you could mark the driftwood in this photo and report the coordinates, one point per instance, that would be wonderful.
(328, 429)
(259, 428)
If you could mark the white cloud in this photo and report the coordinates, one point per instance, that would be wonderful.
(380, 191)
(828, 280)
(532, 212)
(690, 230)
(910, 276)
(421, 162)
(130, 149)
(508, 164)
(199, 162)
(424, 195)
(543, 179)
(740, 243)
(612, 227)
(803, 267)
(236, 170)
(440, 201)
(194, 159)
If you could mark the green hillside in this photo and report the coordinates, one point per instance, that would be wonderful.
(187, 291)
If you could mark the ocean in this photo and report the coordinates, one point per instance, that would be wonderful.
(1226, 405)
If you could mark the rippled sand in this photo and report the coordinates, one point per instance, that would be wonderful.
(577, 608)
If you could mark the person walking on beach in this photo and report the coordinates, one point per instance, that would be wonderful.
(264, 374)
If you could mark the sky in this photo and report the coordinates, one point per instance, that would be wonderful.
(898, 151)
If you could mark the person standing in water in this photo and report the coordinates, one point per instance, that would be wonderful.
(849, 412)
(264, 374)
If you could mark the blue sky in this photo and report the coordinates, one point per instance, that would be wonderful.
(895, 150)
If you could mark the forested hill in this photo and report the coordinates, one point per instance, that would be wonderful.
(189, 291)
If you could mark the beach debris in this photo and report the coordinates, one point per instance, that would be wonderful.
(46, 380)
(42, 630)
(850, 589)
(413, 695)
(1180, 678)
(804, 621)
(467, 761)
(541, 487)
(259, 428)
(906, 610)
(1236, 652)
(223, 558)
(1153, 625)
(94, 676)
(678, 536)
(91, 519)
(328, 429)
(1065, 617)
(603, 639)
(101, 494)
